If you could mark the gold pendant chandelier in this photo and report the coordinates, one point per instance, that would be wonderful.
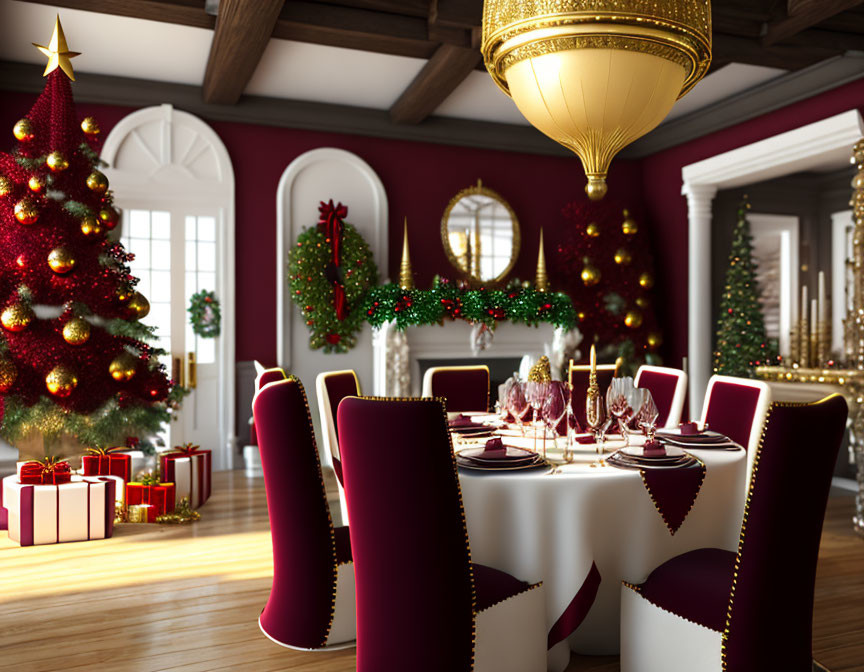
(595, 75)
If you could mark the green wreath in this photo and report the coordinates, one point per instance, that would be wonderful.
(205, 315)
(329, 294)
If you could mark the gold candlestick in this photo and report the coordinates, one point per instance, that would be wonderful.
(406, 273)
(593, 401)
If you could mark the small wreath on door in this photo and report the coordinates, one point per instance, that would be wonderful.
(205, 315)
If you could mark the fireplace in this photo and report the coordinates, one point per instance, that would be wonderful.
(400, 358)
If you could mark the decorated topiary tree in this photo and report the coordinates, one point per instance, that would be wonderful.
(74, 358)
(742, 343)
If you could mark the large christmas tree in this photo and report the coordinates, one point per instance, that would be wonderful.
(606, 267)
(742, 343)
(74, 358)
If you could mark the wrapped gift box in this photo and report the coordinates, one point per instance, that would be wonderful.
(191, 473)
(48, 514)
(108, 464)
(160, 496)
(142, 513)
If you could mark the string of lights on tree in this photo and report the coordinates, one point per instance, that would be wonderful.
(74, 357)
(742, 343)
(447, 300)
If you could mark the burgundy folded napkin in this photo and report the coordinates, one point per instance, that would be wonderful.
(495, 445)
(462, 421)
(689, 429)
(585, 439)
(653, 449)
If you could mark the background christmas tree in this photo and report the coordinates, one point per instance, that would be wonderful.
(606, 267)
(742, 343)
(74, 358)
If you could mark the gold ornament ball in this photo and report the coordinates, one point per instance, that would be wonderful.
(139, 305)
(60, 381)
(655, 340)
(76, 331)
(623, 257)
(57, 162)
(646, 281)
(593, 230)
(61, 260)
(7, 374)
(16, 317)
(96, 181)
(26, 211)
(36, 184)
(642, 302)
(590, 276)
(122, 367)
(633, 319)
(5, 185)
(109, 217)
(629, 225)
(90, 126)
(23, 130)
(90, 226)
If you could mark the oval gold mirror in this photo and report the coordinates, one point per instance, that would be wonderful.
(480, 233)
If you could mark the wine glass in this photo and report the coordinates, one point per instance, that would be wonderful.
(518, 404)
(553, 409)
(536, 394)
(647, 415)
(618, 403)
(502, 406)
(636, 398)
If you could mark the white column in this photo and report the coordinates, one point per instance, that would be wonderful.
(699, 198)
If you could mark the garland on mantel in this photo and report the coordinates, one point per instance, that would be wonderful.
(445, 300)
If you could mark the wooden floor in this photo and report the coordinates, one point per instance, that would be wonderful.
(187, 598)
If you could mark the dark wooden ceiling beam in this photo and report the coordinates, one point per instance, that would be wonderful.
(181, 12)
(788, 57)
(827, 39)
(243, 29)
(459, 13)
(405, 7)
(807, 13)
(447, 68)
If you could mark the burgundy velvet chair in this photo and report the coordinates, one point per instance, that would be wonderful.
(422, 605)
(668, 388)
(464, 388)
(332, 387)
(711, 609)
(311, 604)
(737, 407)
(577, 375)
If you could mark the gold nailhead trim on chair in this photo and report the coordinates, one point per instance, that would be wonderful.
(750, 489)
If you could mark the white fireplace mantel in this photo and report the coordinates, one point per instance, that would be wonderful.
(449, 341)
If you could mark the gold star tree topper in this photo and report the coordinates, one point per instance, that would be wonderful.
(58, 52)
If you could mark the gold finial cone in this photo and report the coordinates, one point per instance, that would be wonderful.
(541, 372)
(406, 273)
(58, 52)
(541, 277)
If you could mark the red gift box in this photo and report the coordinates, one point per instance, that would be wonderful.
(106, 462)
(47, 472)
(160, 496)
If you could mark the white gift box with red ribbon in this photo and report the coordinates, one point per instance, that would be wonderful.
(48, 514)
(191, 474)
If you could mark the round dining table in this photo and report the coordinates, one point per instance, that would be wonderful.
(585, 527)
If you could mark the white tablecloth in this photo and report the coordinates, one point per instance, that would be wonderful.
(554, 527)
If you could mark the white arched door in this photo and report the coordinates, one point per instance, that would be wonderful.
(172, 178)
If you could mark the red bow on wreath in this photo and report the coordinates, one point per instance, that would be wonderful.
(331, 224)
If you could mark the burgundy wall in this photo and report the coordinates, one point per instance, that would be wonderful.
(667, 208)
(419, 179)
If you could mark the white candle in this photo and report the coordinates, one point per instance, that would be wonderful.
(804, 303)
(823, 301)
(593, 359)
(814, 310)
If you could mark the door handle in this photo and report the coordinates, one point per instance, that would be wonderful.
(178, 371)
(192, 381)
